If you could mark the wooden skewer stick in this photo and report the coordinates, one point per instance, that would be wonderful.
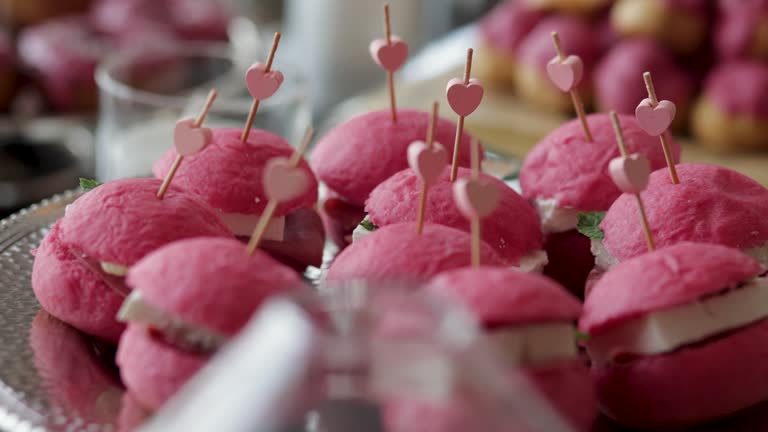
(663, 137)
(256, 102)
(424, 186)
(460, 123)
(475, 221)
(177, 162)
(640, 207)
(390, 74)
(266, 216)
(578, 104)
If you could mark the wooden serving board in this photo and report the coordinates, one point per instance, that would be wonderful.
(510, 127)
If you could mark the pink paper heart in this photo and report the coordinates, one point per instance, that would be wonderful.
(283, 182)
(464, 98)
(655, 120)
(261, 84)
(566, 74)
(427, 162)
(188, 139)
(630, 173)
(391, 56)
(475, 198)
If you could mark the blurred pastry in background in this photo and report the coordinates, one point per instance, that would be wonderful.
(21, 13)
(61, 55)
(732, 112)
(570, 6)
(618, 78)
(682, 25)
(742, 30)
(501, 32)
(578, 37)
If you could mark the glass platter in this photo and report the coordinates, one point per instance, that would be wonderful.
(54, 378)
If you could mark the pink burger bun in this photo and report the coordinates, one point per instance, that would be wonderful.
(397, 252)
(396, 200)
(699, 381)
(228, 174)
(502, 299)
(118, 222)
(210, 283)
(711, 204)
(357, 155)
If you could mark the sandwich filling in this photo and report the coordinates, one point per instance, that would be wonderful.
(555, 219)
(174, 330)
(535, 344)
(668, 329)
(242, 225)
(533, 262)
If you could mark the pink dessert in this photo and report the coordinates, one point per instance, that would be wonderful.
(356, 156)
(711, 204)
(396, 200)
(565, 175)
(200, 19)
(578, 36)
(76, 380)
(397, 252)
(529, 318)
(739, 88)
(63, 53)
(228, 175)
(671, 328)
(738, 26)
(78, 269)
(507, 24)
(176, 321)
(619, 77)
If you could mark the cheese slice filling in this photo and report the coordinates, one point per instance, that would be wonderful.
(535, 344)
(185, 335)
(243, 225)
(555, 219)
(534, 262)
(669, 329)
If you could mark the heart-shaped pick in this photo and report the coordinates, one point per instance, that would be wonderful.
(630, 173)
(188, 139)
(427, 162)
(475, 198)
(464, 98)
(282, 182)
(655, 120)
(566, 74)
(391, 56)
(262, 84)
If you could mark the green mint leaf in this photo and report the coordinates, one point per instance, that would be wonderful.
(589, 225)
(581, 336)
(370, 226)
(88, 184)
(511, 177)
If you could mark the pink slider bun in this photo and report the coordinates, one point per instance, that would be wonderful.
(619, 77)
(228, 174)
(397, 252)
(676, 388)
(570, 175)
(578, 37)
(211, 283)
(502, 299)
(118, 222)
(711, 204)
(513, 229)
(357, 155)
(740, 31)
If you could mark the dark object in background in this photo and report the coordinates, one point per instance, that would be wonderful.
(21, 13)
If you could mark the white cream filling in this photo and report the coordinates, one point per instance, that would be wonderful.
(535, 344)
(243, 225)
(135, 309)
(113, 268)
(604, 260)
(668, 329)
(534, 262)
(555, 219)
